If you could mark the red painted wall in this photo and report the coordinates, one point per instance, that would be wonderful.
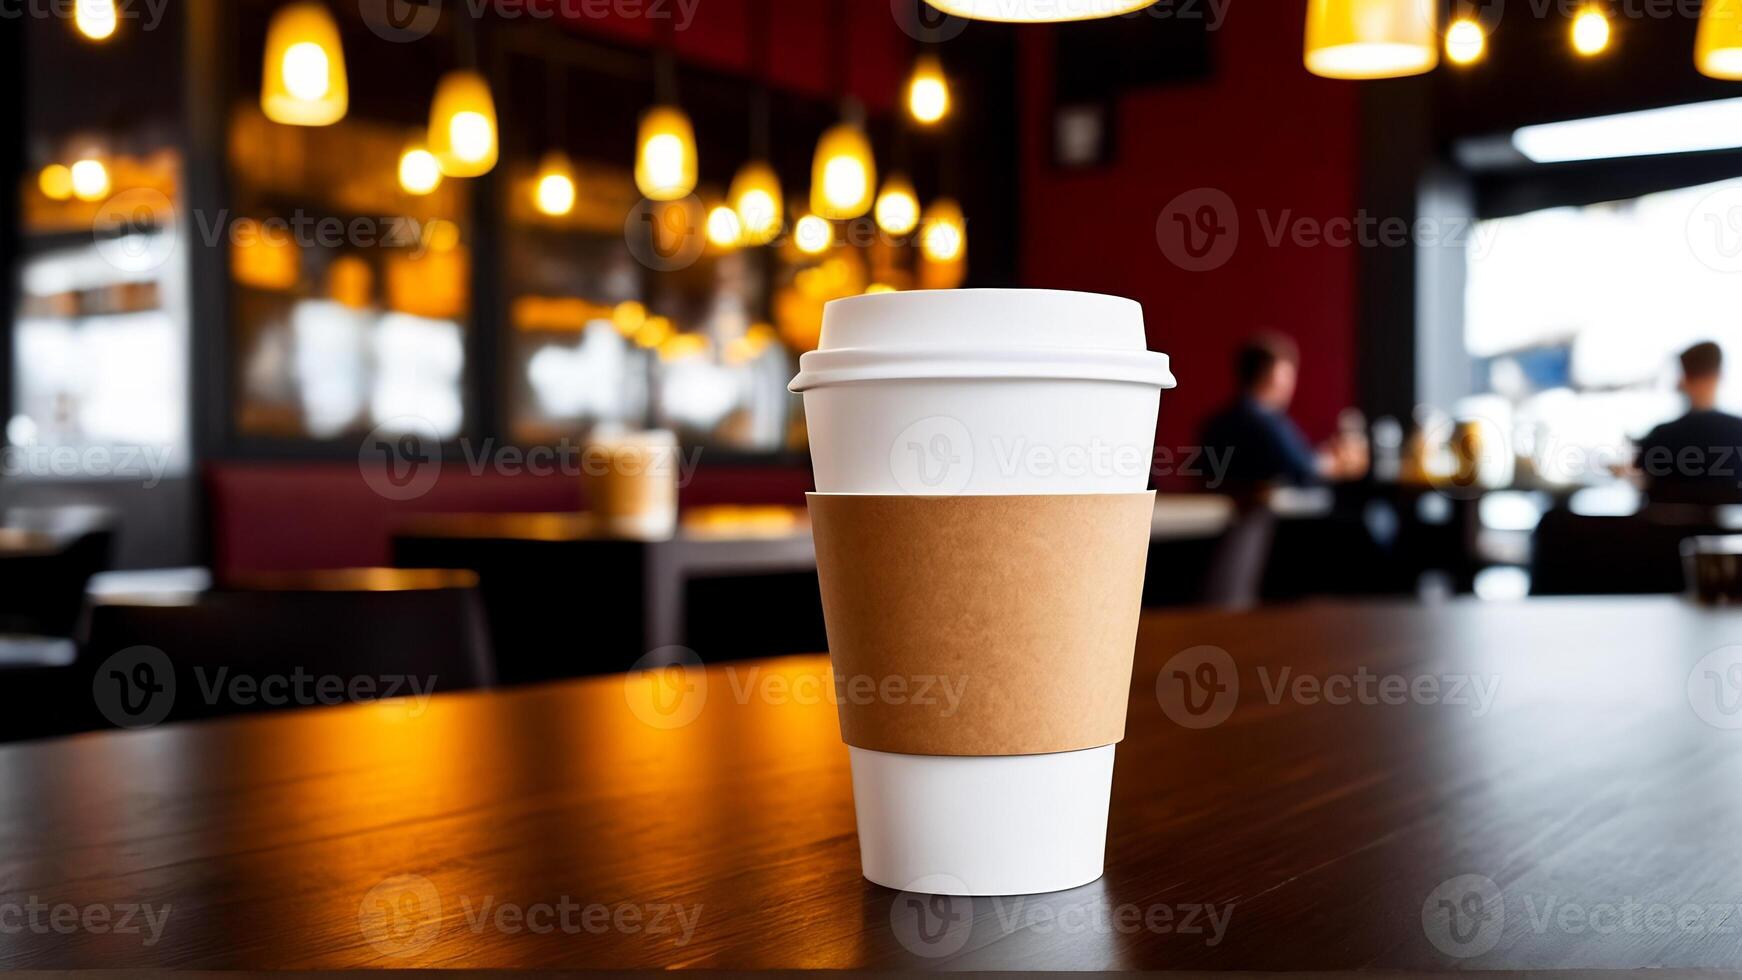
(1283, 146)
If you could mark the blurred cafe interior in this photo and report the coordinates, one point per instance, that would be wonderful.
(304, 295)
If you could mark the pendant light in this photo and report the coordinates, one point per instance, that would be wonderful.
(303, 79)
(943, 235)
(1371, 38)
(665, 154)
(1038, 11)
(1718, 46)
(1466, 42)
(928, 91)
(553, 187)
(462, 124)
(843, 171)
(420, 172)
(1590, 32)
(755, 190)
(897, 209)
(95, 19)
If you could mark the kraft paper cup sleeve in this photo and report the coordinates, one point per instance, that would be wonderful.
(982, 625)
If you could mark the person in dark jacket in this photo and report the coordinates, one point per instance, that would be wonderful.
(1694, 459)
(1265, 447)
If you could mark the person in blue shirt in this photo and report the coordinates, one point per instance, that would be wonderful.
(1264, 446)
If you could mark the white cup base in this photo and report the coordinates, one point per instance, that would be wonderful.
(982, 825)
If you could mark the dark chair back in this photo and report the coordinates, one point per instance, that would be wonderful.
(321, 638)
(47, 557)
(1579, 554)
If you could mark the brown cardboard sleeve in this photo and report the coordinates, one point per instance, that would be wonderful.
(982, 625)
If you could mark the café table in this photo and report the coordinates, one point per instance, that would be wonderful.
(1329, 785)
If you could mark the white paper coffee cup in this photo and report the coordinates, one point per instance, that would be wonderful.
(985, 391)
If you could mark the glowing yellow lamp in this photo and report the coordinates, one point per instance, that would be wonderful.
(1371, 38)
(56, 182)
(303, 82)
(813, 235)
(90, 180)
(897, 208)
(928, 91)
(724, 230)
(1590, 33)
(462, 125)
(554, 188)
(843, 173)
(1037, 11)
(1718, 46)
(665, 157)
(95, 19)
(755, 195)
(419, 171)
(943, 235)
(1465, 42)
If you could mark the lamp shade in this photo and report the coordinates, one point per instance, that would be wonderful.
(553, 189)
(943, 233)
(843, 173)
(928, 91)
(755, 195)
(1718, 46)
(303, 80)
(462, 125)
(665, 155)
(1037, 11)
(1371, 38)
(897, 208)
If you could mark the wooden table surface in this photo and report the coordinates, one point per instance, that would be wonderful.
(1556, 789)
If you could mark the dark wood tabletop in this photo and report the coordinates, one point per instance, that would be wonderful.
(1542, 785)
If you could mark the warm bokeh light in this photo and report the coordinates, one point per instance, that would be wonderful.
(96, 19)
(812, 235)
(653, 332)
(90, 180)
(928, 91)
(665, 155)
(755, 195)
(1038, 11)
(897, 206)
(1371, 38)
(1718, 46)
(462, 125)
(1590, 32)
(724, 230)
(55, 181)
(628, 316)
(419, 171)
(303, 82)
(944, 235)
(879, 287)
(554, 191)
(350, 282)
(843, 173)
(1465, 42)
(679, 346)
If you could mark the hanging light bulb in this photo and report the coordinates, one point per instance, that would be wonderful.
(1590, 32)
(843, 173)
(812, 234)
(665, 162)
(1465, 42)
(1718, 46)
(897, 208)
(303, 82)
(56, 182)
(1371, 38)
(943, 234)
(95, 19)
(928, 91)
(419, 171)
(723, 227)
(462, 125)
(90, 179)
(1037, 11)
(755, 195)
(553, 190)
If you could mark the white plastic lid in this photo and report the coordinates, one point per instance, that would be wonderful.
(982, 333)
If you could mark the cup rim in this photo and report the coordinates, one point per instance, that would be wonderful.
(860, 365)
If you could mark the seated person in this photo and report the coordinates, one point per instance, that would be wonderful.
(1263, 444)
(1694, 459)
